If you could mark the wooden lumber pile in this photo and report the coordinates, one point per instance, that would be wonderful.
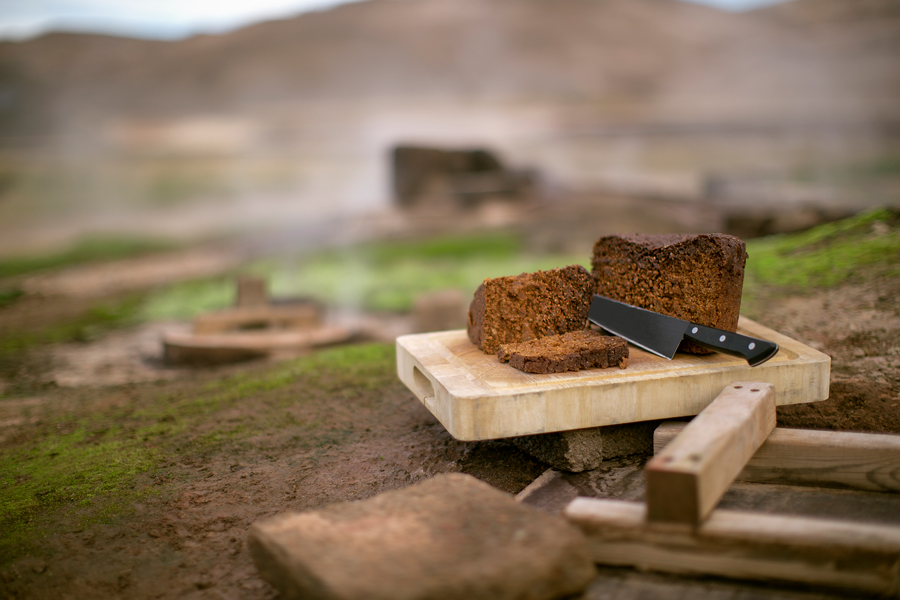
(679, 530)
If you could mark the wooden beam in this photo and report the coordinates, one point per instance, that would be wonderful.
(863, 461)
(185, 348)
(284, 316)
(687, 479)
(743, 545)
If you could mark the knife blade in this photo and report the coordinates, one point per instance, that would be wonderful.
(661, 334)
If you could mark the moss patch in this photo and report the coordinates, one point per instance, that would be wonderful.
(15, 344)
(384, 276)
(91, 465)
(81, 470)
(8, 297)
(90, 249)
(862, 246)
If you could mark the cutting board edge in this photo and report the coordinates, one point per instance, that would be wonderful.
(473, 412)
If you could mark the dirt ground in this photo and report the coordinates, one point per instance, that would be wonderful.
(313, 431)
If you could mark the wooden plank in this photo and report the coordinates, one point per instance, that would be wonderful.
(549, 493)
(863, 461)
(243, 345)
(282, 316)
(478, 398)
(687, 479)
(743, 545)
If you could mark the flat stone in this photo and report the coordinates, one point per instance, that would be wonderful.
(584, 449)
(449, 537)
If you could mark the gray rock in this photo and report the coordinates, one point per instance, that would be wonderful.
(445, 538)
(584, 449)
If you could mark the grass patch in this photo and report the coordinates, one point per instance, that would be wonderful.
(90, 466)
(493, 246)
(91, 249)
(345, 371)
(384, 276)
(9, 297)
(97, 320)
(852, 250)
(76, 471)
(190, 298)
(827, 255)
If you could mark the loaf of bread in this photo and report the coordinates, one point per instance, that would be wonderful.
(529, 306)
(573, 351)
(698, 278)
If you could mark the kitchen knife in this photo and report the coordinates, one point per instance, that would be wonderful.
(661, 334)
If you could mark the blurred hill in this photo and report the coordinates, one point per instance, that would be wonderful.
(656, 59)
(793, 109)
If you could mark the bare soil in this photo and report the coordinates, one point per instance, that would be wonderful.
(345, 435)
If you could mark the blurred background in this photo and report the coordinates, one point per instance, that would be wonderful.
(489, 129)
(752, 121)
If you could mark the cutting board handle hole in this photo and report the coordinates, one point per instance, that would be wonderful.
(423, 384)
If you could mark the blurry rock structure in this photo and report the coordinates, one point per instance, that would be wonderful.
(431, 177)
(440, 310)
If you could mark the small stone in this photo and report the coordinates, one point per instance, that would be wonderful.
(450, 537)
(204, 583)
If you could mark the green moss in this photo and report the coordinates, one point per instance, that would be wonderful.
(102, 317)
(9, 297)
(827, 255)
(385, 276)
(349, 376)
(97, 319)
(482, 246)
(91, 472)
(352, 367)
(91, 249)
(91, 466)
(185, 300)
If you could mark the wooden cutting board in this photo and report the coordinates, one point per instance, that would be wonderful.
(476, 397)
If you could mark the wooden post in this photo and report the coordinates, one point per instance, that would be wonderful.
(687, 479)
(251, 291)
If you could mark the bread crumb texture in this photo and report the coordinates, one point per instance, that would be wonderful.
(529, 306)
(698, 278)
(573, 351)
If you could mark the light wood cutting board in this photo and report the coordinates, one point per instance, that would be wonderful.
(476, 397)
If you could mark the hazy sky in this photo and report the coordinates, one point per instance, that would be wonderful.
(171, 19)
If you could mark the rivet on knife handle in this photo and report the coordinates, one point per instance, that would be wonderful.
(754, 350)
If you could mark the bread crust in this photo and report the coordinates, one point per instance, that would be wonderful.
(529, 306)
(698, 278)
(573, 351)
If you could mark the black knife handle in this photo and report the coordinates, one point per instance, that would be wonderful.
(754, 350)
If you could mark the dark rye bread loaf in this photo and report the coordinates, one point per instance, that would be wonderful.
(529, 306)
(697, 278)
(573, 351)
